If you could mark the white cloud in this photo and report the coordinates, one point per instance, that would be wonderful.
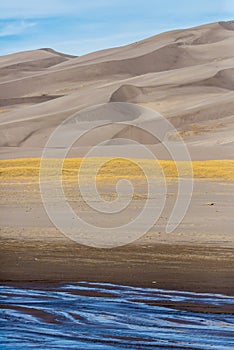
(14, 28)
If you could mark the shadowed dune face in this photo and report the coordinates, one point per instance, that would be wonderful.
(186, 75)
(29, 99)
(227, 25)
(223, 79)
(127, 93)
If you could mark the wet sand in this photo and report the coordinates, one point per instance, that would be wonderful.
(173, 267)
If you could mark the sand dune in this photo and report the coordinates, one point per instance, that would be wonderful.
(187, 75)
(23, 64)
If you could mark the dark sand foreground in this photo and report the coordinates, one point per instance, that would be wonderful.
(173, 267)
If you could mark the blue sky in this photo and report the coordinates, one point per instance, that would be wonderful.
(82, 26)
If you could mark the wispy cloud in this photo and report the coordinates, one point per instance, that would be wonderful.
(48, 8)
(15, 28)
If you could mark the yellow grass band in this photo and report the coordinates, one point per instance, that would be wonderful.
(29, 168)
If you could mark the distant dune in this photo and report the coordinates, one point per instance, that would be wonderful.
(187, 75)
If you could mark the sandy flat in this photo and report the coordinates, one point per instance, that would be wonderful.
(32, 249)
